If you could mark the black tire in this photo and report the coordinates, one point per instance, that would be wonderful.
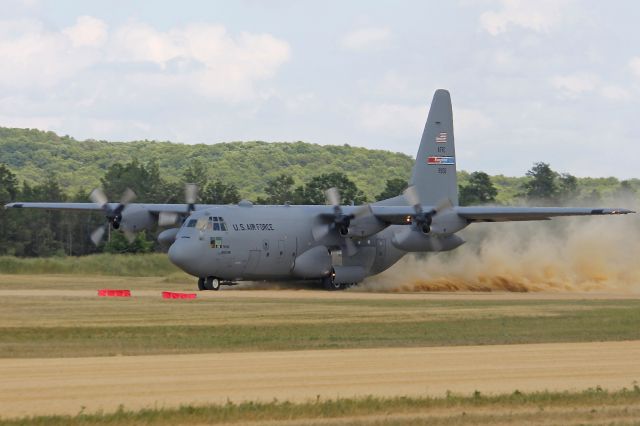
(329, 285)
(212, 283)
(201, 286)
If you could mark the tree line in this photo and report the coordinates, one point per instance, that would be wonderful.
(47, 233)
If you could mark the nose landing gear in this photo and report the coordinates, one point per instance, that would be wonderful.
(208, 283)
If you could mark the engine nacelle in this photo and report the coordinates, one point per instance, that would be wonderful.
(365, 226)
(313, 263)
(168, 236)
(136, 219)
(413, 239)
(447, 222)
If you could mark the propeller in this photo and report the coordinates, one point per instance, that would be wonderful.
(422, 219)
(190, 196)
(340, 222)
(113, 215)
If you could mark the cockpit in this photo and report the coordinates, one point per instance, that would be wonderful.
(206, 223)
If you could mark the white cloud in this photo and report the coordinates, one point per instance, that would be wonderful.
(201, 58)
(575, 84)
(539, 16)
(470, 120)
(394, 119)
(366, 38)
(88, 31)
(34, 57)
(634, 64)
(615, 93)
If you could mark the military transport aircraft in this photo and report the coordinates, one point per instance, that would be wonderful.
(338, 245)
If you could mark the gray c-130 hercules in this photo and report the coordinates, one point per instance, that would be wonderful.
(338, 245)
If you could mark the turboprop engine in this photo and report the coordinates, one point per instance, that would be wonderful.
(168, 237)
(313, 263)
(136, 219)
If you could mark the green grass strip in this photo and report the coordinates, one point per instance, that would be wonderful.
(345, 407)
(138, 265)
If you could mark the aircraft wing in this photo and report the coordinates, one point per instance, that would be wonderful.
(398, 214)
(507, 214)
(153, 208)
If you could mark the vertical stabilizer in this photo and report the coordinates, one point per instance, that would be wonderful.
(434, 173)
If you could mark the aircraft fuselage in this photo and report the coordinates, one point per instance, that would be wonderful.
(250, 242)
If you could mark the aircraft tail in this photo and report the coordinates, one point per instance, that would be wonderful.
(434, 172)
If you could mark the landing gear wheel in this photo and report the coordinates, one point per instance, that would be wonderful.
(201, 286)
(212, 283)
(330, 285)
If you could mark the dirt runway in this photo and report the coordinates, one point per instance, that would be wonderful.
(69, 385)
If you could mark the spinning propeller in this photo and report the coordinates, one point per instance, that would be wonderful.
(113, 215)
(422, 219)
(190, 196)
(340, 223)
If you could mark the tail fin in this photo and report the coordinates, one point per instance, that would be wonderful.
(434, 172)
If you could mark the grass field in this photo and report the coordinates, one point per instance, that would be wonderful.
(587, 407)
(60, 316)
(77, 323)
(139, 265)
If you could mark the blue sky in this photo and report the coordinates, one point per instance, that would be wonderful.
(554, 81)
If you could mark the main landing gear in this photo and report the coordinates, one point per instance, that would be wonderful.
(208, 283)
(330, 285)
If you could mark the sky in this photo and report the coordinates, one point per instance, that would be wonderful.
(556, 81)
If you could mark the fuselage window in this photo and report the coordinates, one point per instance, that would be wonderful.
(223, 227)
(192, 223)
(216, 226)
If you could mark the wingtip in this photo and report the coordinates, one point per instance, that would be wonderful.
(621, 211)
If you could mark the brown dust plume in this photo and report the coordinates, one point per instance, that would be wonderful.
(594, 254)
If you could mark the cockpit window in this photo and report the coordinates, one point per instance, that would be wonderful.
(201, 224)
(210, 223)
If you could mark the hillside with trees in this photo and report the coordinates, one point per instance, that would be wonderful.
(42, 166)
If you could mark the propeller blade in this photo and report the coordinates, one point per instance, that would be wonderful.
(97, 234)
(98, 197)
(443, 205)
(190, 193)
(130, 236)
(436, 243)
(411, 195)
(333, 196)
(362, 211)
(320, 231)
(127, 197)
(349, 247)
(167, 218)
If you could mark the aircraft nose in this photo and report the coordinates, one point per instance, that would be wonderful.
(179, 254)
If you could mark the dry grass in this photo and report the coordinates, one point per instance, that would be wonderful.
(58, 316)
(587, 407)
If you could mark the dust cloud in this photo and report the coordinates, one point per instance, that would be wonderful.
(579, 254)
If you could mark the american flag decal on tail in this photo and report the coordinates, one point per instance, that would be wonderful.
(446, 161)
(441, 137)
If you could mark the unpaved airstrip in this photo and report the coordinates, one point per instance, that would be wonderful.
(67, 386)
(64, 350)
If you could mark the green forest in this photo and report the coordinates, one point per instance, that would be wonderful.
(43, 166)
